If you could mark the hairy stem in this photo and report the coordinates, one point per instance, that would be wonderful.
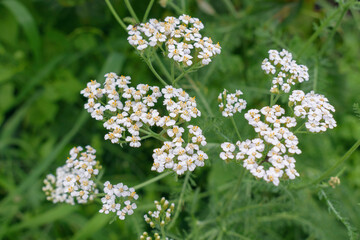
(152, 180)
(148, 62)
(163, 235)
(118, 19)
(349, 228)
(148, 10)
(180, 202)
(131, 10)
(235, 127)
(318, 31)
(328, 172)
(230, 6)
(162, 67)
(201, 96)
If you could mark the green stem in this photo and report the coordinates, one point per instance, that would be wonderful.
(331, 169)
(148, 62)
(275, 100)
(344, 221)
(152, 180)
(183, 5)
(153, 134)
(131, 10)
(176, 8)
(180, 202)
(299, 128)
(325, 46)
(146, 137)
(185, 72)
(236, 129)
(148, 10)
(118, 19)
(173, 72)
(317, 33)
(201, 96)
(236, 189)
(230, 6)
(163, 235)
(316, 74)
(162, 67)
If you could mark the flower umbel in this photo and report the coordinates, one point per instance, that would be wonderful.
(74, 182)
(181, 37)
(270, 156)
(315, 108)
(129, 114)
(284, 70)
(118, 199)
(231, 103)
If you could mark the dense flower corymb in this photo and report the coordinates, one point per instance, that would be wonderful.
(270, 156)
(75, 180)
(285, 71)
(231, 103)
(315, 108)
(129, 114)
(118, 199)
(181, 36)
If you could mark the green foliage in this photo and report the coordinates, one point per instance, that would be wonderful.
(356, 109)
(49, 50)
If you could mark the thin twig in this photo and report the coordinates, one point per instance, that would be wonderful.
(131, 10)
(118, 19)
(148, 10)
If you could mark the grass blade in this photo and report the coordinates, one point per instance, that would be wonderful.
(27, 22)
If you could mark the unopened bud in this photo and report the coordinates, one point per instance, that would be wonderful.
(152, 224)
(163, 3)
(334, 181)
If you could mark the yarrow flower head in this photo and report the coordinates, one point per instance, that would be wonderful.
(118, 199)
(74, 182)
(129, 113)
(181, 36)
(284, 70)
(179, 156)
(231, 103)
(315, 108)
(270, 156)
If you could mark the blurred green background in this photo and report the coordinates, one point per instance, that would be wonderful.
(50, 49)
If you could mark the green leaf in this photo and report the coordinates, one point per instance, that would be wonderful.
(9, 25)
(356, 108)
(27, 22)
(6, 96)
(93, 225)
(114, 63)
(52, 215)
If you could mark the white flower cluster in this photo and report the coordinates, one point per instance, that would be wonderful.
(74, 180)
(274, 148)
(315, 108)
(116, 196)
(130, 111)
(179, 156)
(230, 103)
(184, 43)
(162, 215)
(285, 70)
(126, 110)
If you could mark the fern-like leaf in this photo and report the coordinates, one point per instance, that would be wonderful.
(356, 108)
